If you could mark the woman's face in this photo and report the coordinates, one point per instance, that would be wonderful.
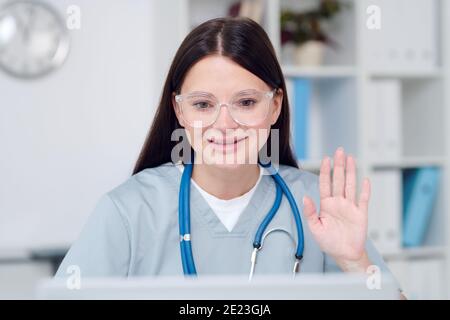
(227, 142)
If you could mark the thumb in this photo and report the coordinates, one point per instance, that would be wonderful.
(309, 210)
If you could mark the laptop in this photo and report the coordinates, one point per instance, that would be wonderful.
(271, 287)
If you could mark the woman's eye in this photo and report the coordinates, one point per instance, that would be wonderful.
(247, 103)
(202, 105)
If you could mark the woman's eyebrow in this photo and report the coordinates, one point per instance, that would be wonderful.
(245, 91)
(203, 93)
(234, 94)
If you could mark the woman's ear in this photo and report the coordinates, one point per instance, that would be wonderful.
(177, 110)
(276, 106)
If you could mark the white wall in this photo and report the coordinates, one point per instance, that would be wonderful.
(70, 137)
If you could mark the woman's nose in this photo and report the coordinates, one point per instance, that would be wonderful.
(224, 119)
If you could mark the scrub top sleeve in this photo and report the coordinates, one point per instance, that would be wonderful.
(376, 259)
(103, 247)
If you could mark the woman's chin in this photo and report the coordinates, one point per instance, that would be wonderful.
(228, 166)
(232, 160)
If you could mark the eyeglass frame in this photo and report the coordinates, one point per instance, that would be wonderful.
(269, 94)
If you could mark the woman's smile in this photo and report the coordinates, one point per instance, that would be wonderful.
(225, 145)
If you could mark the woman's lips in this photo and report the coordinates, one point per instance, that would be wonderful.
(225, 145)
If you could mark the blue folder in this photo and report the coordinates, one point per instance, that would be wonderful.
(420, 187)
(302, 94)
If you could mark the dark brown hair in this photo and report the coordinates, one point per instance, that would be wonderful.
(243, 41)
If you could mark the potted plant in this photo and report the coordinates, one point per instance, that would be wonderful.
(305, 31)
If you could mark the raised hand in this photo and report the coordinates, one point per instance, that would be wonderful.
(340, 228)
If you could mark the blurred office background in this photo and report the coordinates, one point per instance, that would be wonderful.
(372, 76)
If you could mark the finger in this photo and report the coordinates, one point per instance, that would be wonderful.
(309, 211)
(350, 179)
(325, 178)
(339, 173)
(364, 196)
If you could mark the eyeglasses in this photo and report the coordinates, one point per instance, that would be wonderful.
(248, 107)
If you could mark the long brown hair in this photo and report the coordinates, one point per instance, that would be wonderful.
(243, 41)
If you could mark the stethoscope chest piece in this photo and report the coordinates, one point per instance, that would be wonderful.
(255, 251)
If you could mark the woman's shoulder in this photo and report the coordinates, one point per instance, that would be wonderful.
(298, 176)
(147, 184)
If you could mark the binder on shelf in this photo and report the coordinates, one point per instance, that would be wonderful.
(391, 105)
(420, 189)
(385, 211)
(290, 95)
(302, 96)
(407, 46)
(385, 125)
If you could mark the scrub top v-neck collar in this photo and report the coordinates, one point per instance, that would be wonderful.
(252, 214)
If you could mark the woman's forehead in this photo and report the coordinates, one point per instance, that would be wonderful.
(220, 76)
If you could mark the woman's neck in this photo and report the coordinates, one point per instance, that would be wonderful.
(225, 183)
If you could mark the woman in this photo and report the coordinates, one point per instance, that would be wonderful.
(226, 94)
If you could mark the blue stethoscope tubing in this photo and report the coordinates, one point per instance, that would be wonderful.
(187, 258)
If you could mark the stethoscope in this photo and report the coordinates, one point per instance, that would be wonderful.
(185, 227)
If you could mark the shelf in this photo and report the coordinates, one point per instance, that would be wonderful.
(405, 163)
(314, 165)
(409, 162)
(417, 253)
(8, 255)
(309, 165)
(406, 74)
(340, 100)
(319, 72)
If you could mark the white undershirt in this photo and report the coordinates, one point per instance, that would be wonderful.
(228, 211)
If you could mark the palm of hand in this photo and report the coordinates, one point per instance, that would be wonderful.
(341, 226)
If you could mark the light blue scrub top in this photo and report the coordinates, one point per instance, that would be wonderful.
(133, 231)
